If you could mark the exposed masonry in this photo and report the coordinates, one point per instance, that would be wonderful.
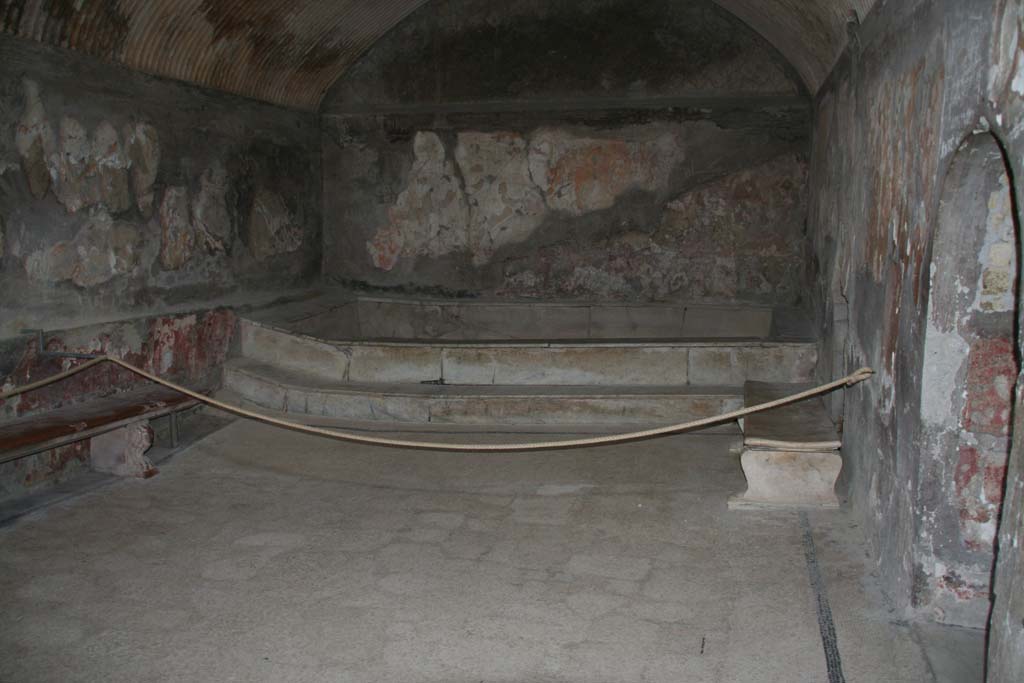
(532, 150)
(917, 282)
(110, 173)
(511, 184)
(969, 374)
(125, 198)
(645, 212)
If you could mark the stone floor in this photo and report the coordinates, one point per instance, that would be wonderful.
(261, 555)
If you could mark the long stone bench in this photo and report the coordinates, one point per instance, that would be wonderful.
(117, 426)
(790, 454)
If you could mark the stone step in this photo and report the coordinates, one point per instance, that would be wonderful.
(291, 391)
(703, 362)
(439, 431)
(341, 314)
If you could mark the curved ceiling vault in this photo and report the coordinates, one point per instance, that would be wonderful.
(289, 52)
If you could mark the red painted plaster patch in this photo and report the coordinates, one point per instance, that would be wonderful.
(966, 469)
(995, 480)
(990, 380)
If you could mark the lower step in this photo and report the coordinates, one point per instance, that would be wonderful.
(276, 389)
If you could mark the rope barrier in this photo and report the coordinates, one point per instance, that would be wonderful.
(848, 381)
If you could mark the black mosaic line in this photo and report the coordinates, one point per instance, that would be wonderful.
(826, 626)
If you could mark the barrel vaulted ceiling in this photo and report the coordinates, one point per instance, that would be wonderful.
(289, 52)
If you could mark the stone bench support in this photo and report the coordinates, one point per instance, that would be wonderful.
(790, 455)
(122, 451)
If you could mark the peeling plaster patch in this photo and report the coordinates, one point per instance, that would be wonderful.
(431, 216)
(105, 250)
(505, 207)
(978, 493)
(101, 250)
(387, 247)
(624, 267)
(757, 210)
(35, 142)
(53, 264)
(996, 290)
(77, 183)
(91, 171)
(83, 170)
(272, 228)
(960, 584)
(512, 184)
(944, 355)
(735, 238)
(1006, 51)
(143, 149)
(210, 214)
(991, 374)
(581, 175)
(170, 337)
(899, 189)
(597, 281)
(112, 167)
(177, 237)
(1018, 82)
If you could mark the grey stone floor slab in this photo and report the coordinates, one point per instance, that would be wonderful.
(260, 555)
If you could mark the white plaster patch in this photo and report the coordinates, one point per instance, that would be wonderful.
(36, 142)
(101, 250)
(511, 185)
(944, 354)
(76, 186)
(581, 175)
(272, 227)
(505, 207)
(996, 289)
(142, 145)
(431, 216)
(1018, 82)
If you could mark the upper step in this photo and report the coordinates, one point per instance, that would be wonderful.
(697, 362)
(293, 391)
(344, 315)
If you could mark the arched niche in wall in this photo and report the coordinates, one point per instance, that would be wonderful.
(969, 374)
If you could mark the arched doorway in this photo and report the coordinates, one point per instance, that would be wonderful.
(968, 379)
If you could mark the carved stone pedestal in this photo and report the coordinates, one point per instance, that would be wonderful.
(122, 451)
(788, 479)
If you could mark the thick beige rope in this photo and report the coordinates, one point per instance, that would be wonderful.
(850, 380)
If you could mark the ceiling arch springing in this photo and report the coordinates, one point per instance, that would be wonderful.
(811, 34)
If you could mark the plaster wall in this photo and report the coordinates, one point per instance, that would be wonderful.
(124, 194)
(562, 161)
(919, 80)
(131, 209)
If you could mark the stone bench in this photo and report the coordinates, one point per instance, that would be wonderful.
(118, 427)
(790, 454)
